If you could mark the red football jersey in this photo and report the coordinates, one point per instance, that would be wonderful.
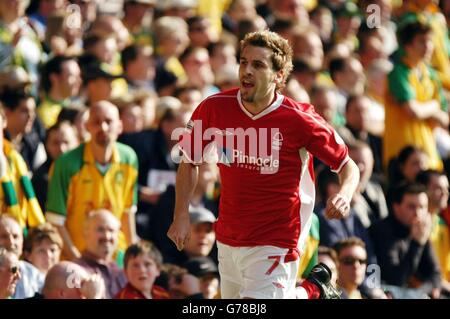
(267, 177)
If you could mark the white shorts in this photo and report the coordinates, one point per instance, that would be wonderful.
(261, 272)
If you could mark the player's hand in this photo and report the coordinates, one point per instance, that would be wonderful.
(337, 207)
(180, 230)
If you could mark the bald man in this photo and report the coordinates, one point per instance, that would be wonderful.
(101, 230)
(11, 239)
(100, 173)
(67, 280)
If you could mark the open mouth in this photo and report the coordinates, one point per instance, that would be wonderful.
(247, 84)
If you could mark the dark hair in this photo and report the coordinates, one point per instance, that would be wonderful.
(408, 32)
(37, 234)
(348, 242)
(394, 170)
(337, 65)
(404, 188)
(11, 98)
(129, 54)
(53, 65)
(424, 177)
(351, 99)
(141, 248)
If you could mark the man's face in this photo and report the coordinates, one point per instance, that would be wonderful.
(438, 191)
(70, 78)
(9, 275)
(198, 68)
(11, 237)
(44, 255)
(352, 265)
(363, 158)
(357, 114)
(411, 208)
(101, 236)
(104, 125)
(256, 75)
(415, 163)
(353, 79)
(21, 119)
(60, 141)
(201, 241)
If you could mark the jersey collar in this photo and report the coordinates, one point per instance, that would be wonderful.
(88, 156)
(275, 104)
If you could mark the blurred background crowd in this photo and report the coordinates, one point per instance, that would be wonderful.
(91, 91)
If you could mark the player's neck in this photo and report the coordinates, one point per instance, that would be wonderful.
(259, 105)
(102, 154)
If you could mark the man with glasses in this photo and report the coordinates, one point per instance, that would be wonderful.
(9, 273)
(352, 266)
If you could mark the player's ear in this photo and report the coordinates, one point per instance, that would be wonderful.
(279, 77)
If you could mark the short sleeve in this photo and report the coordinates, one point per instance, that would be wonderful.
(324, 142)
(398, 84)
(58, 186)
(192, 142)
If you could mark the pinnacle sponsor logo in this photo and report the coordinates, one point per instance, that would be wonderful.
(250, 148)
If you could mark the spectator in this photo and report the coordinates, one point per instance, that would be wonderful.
(369, 201)
(437, 191)
(413, 101)
(98, 83)
(139, 67)
(136, 12)
(101, 234)
(402, 242)
(16, 197)
(11, 239)
(405, 167)
(205, 269)
(60, 138)
(61, 82)
(20, 112)
(180, 283)
(143, 263)
(67, 280)
(45, 8)
(9, 273)
(358, 127)
(98, 174)
(131, 114)
(201, 32)
(42, 247)
(348, 75)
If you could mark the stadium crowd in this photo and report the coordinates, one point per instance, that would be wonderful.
(91, 91)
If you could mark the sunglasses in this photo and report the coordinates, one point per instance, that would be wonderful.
(350, 261)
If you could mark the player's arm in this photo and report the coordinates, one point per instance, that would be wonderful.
(187, 176)
(338, 206)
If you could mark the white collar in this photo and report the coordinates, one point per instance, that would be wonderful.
(276, 104)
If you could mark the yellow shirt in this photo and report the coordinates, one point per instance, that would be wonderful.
(49, 109)
(405, 84)
(77, 187)
(440, 240)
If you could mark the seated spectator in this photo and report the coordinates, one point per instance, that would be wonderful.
(67, 280)
(60, 138)
(352, 266)
(369, 201)
(405, 167)
(11, 239)
(101, 232)
(15, 197)
(402, 242)
(205, 269)
(9, 273)
(335, 230)
(139, 67)
(437, 190)
(142, 266)
(42, 247)
(98, 83)
(131, 114)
